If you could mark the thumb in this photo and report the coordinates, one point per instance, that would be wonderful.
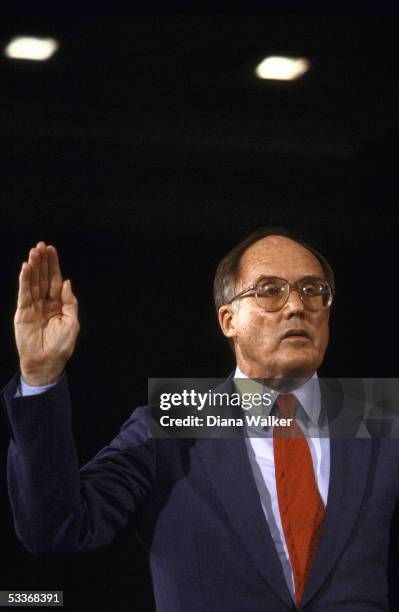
(69, 303)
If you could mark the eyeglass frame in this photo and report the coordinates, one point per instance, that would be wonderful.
(290, 287)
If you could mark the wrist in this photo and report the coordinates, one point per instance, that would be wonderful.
(40, 377)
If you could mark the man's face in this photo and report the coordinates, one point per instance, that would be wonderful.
(261, 347)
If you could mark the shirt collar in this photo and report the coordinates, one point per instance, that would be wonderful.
(308, 395)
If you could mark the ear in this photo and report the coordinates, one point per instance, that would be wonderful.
(227, 316)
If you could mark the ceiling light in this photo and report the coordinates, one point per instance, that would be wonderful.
(282, 68)
(31, 48)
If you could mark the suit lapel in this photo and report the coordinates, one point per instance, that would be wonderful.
(228, 467)
(226, 461)
(350, 461)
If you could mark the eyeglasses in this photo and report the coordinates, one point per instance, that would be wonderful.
(272, 293)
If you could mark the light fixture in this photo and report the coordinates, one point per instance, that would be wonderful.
(282, 68)
(31, 48)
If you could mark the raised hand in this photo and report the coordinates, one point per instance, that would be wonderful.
(46, 320)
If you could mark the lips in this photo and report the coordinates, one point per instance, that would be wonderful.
(296, 331)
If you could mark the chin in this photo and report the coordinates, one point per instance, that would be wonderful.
(298, 367)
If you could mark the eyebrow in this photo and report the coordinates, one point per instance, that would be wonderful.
(258, 278)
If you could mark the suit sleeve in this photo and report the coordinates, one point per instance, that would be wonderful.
(57, 507)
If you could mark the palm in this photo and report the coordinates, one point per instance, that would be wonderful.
(40, 325)
(46, 323)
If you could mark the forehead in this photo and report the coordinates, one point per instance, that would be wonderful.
(278, 256)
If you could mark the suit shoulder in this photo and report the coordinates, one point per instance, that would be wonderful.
(135, 430)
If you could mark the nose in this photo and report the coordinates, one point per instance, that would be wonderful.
(294, 305)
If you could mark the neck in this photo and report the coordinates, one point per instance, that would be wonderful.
(283, 383)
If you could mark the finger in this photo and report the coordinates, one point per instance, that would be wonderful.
(24, 292)
(34, 262)
(43, 271)
(69, 303)
(54, 274)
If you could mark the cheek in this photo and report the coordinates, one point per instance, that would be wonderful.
(257, 329)
(322, 334)
(326, 337)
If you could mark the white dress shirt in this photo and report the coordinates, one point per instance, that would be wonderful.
(261, 457)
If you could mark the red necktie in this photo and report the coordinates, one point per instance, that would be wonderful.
(300, 504)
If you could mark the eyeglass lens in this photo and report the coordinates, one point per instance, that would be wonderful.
(272, 293)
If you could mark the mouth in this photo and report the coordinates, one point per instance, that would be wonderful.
(296, 333)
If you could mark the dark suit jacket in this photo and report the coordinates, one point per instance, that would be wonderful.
(198, 512)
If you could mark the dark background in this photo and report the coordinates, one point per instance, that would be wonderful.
(144, 150)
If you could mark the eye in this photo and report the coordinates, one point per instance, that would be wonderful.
(270, 288)
(314, 288)
(311, 289)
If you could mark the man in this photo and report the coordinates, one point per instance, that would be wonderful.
(268, 523)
